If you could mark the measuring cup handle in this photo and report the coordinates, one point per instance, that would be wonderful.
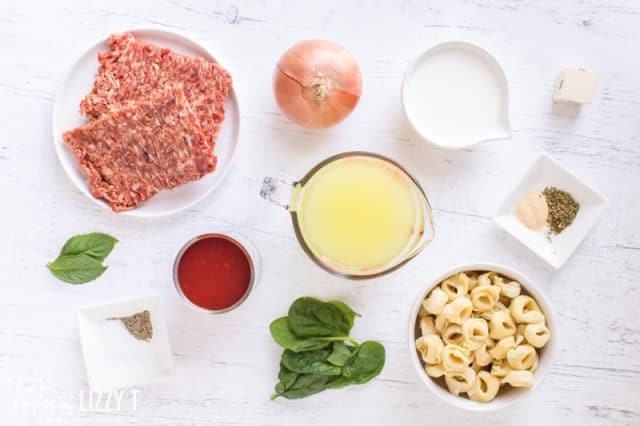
(277, 191)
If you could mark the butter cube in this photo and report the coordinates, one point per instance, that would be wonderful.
(576, 86)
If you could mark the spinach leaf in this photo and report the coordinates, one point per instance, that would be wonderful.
(76, 269)
(309, 317)
(348, 314)
(287, 379)
(283, 336)
(313, 362)
(366, 364)
(305, 385)
(96, 245)
(340, 353)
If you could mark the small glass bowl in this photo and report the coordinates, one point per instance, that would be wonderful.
(247, 247)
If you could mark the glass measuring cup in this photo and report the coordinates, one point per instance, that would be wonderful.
(357, 214)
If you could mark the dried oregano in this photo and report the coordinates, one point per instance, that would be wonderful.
(562, 209)
(138, 325)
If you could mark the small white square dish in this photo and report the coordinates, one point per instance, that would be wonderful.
(113, 357)
(554, 249)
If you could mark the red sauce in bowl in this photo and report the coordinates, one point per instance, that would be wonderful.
(214, 273)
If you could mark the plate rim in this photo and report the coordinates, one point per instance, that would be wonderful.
(81, 186)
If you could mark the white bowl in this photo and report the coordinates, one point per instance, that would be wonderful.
(455, 94)
(545, 171)
(66, 116)
(507, 395)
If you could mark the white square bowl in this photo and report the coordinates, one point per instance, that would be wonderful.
(557, 249)
(112, 356)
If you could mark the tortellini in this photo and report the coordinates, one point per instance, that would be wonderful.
(519, 378)
(456, 286)
(458, 311)
(499, 351)
(484, 298)
(482, 357)
(485, 387)
(434, 304)
(522, 357)
(475, 332)
(537, 334)
(435, 371)
(430, 348)
(460, 381)
(453, 334)
(455, 358)
(427, 326)
(525, 309)
(510, 289)
(480, 331)
(501, 325)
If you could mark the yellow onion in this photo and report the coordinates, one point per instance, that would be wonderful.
(317, 83)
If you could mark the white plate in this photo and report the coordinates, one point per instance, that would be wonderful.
(455, 95)
(544, 172)
(66, 116)
(112, 356)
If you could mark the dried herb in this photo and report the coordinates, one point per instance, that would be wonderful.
(138, 325)
(562, 209)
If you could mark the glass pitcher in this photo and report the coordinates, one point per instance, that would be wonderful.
(358, 215)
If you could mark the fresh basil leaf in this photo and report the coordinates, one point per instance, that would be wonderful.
(309, 317)
(96, 245)
(76, 269)
(284, 337)
(366, 364)
(340, 353)
(348, 314)
(312, 362)
(306, 385)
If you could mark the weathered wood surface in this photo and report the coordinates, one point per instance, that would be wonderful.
(226, 365)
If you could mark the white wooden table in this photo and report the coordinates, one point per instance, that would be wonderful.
(226, 365)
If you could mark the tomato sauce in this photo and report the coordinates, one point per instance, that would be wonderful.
(214, 273)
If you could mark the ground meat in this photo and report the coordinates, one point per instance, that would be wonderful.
(133, 68)
(132, 153)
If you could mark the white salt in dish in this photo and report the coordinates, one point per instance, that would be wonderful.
(456, 95)
(113, 357)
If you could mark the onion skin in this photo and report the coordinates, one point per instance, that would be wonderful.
(317, 83)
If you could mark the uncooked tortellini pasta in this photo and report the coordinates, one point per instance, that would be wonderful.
(485, 387)
(501, 325)
(479, 332)
(455, 358)
(525, 309)
(456, 286)
(434, 304)
(475, 332)
(537, 334)
(484, 298)
(458, 310)
(460, 381)
(430, 348)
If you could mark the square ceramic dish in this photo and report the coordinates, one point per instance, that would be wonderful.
(112, 356)
(557, 249)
